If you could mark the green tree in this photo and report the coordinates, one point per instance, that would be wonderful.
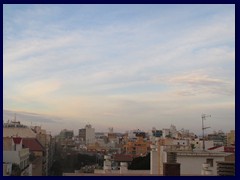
(56, 169)
(141, 163)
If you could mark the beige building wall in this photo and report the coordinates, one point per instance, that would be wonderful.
(7, 144)
(37, 167)
(231, 138)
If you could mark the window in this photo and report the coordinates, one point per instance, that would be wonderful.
(210, 162)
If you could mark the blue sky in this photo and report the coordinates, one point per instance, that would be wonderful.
(121, 66)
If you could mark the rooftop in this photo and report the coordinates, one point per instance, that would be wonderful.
(18, 132)
(122, 158)
(33, 144)
(201, 153)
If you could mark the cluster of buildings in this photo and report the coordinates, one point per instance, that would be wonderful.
(27, 151)
(173, 152)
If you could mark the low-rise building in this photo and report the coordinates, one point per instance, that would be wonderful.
(118, 158)
(140, 147)
(198, 144)
(190, 161)
(36, 156)
(46, 141)
(14, 153)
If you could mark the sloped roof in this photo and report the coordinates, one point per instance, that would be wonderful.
(225, 148)
(215, 147)
(33, 144)
(18, 131)
(123, 157)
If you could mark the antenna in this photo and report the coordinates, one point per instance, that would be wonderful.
(203, 128)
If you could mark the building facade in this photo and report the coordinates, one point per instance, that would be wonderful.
(87, 134)
(14, 153)
(140, 147)
(231, 138)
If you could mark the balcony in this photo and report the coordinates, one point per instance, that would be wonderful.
(24, 152)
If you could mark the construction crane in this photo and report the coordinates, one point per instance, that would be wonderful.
(204, 116)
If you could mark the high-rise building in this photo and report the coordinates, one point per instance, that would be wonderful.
(66, 134)
(87, 134)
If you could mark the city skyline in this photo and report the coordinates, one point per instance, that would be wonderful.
(121, 66)
(53, 124)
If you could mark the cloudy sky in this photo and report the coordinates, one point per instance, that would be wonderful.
(121, 66)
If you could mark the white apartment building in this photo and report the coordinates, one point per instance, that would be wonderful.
(90, 134)
(15, 154)
(191, 162)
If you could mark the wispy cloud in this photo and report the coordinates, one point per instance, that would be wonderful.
(196, 83)
(28, 117)
(117, 61)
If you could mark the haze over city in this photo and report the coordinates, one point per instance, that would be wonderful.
(120, 66)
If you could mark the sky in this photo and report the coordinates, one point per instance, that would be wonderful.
(121, 66)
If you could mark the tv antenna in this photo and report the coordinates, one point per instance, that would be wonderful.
(204, 116)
